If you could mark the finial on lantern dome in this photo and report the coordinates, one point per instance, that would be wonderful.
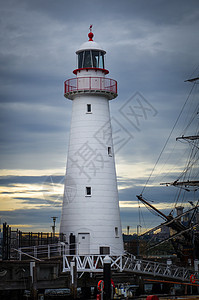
(90, 35)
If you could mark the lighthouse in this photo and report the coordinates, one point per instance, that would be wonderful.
(90, 220)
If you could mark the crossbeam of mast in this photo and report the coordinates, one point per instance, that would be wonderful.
(185, 183)
(192, 79)
(189, 137)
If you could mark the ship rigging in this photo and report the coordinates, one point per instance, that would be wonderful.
(184, 228)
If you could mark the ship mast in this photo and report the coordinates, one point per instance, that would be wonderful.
(184, 181)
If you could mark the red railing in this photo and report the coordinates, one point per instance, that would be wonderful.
(90, 84)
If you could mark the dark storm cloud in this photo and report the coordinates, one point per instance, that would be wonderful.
(12, 180)
(28, 200)
(27, 130)
(162, 12)
(156, 195)
(30, 216)
(134, 217)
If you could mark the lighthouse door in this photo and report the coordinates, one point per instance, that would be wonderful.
(84, 243)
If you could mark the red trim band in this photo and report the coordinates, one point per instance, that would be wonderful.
(96, 69)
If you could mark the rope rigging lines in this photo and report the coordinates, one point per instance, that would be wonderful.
(191, 161)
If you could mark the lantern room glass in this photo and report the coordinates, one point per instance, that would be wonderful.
(91, 59)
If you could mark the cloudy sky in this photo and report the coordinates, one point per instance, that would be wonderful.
(152, 47)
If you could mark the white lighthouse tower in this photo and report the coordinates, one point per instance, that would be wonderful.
(90, 218)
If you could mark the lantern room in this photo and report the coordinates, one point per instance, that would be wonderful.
(90, 55)
(91, 59)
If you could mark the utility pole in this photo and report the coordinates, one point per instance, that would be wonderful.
(54, 226)
(128, 230)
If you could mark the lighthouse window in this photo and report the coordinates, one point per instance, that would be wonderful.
(116, 232)
(88, 191)
(87, 59)
(95, 59)
(80, 59)
(104, 250)
(88, 108)
(101, 60)
(109, 151)
(98, 59)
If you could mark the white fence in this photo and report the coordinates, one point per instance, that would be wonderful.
(43, 251)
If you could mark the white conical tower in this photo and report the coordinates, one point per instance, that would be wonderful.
(90, 213)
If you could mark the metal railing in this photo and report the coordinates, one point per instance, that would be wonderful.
(42, 251)
(90, 84)
(94, 263)
(145, 267)
(128, 263)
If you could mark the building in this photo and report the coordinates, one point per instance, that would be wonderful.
(90, 214)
